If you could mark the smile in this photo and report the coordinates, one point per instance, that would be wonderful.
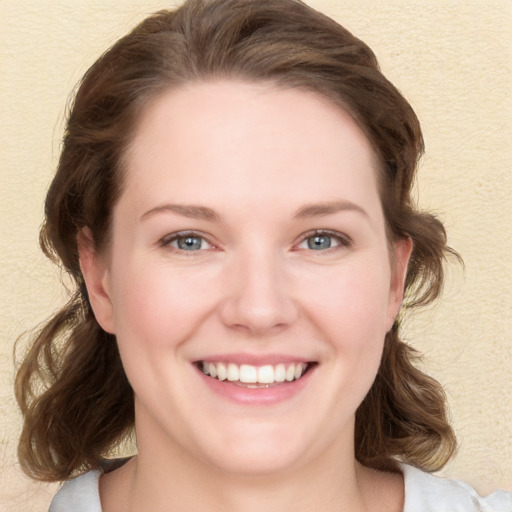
(254, 376)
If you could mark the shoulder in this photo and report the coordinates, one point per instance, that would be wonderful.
(82, 494)
(428, 493)
(79, 495)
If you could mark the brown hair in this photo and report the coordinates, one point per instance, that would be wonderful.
(71, 387)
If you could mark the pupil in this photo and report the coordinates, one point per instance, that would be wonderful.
(189, 243)
(319, 242)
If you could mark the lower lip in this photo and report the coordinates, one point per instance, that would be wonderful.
(274, 394)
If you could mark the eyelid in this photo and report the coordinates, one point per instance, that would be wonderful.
(166, 240)
(343, 239)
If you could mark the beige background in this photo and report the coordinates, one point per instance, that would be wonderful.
(452, 59)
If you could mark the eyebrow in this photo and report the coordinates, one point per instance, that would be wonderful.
(185, 210)
(323, 209)
(305, 212)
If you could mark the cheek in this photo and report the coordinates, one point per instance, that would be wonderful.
(348, 311)
(351, 312)
(154, 307)
(352, 303)
(156, 313)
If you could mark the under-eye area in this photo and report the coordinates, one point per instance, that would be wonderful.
(255, 376)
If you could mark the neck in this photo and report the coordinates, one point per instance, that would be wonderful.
(165, 477)
(192, 487)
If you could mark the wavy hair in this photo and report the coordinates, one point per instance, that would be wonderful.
(71, 387)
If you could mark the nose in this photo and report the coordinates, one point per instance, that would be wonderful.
(257, 299)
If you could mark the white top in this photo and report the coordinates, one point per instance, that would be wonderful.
(423, 493)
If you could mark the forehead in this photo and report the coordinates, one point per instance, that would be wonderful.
(248, 141)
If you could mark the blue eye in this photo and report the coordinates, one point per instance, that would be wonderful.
(321, 241)
(188, 242)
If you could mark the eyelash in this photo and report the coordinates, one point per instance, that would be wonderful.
(173, 237)
(343, 241)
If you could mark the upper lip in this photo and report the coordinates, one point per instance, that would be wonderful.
(254, 359)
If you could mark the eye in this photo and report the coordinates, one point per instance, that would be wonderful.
(319, 242)
(189, 242)
(322, 240)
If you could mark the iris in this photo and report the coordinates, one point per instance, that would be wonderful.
(319, 242)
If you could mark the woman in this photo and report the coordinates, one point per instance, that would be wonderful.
(233, 200)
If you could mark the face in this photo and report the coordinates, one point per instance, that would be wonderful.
(249, 280)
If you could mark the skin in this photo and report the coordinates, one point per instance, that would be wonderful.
(255, 159)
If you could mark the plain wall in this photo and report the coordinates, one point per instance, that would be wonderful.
(451, 59)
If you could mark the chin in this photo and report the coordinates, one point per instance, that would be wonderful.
(257, 462)
(261, 450)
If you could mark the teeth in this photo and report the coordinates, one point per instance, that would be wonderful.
(222, 372)
(266, 374)
(233, 372)
(249, 374)
(212, 369)
(280, 373)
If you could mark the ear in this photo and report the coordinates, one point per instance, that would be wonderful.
(402, 250)
(96, 276)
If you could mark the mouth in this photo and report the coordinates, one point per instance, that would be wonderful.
(250, 376)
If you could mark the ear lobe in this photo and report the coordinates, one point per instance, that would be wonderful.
(97, 279)
(402, 253)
